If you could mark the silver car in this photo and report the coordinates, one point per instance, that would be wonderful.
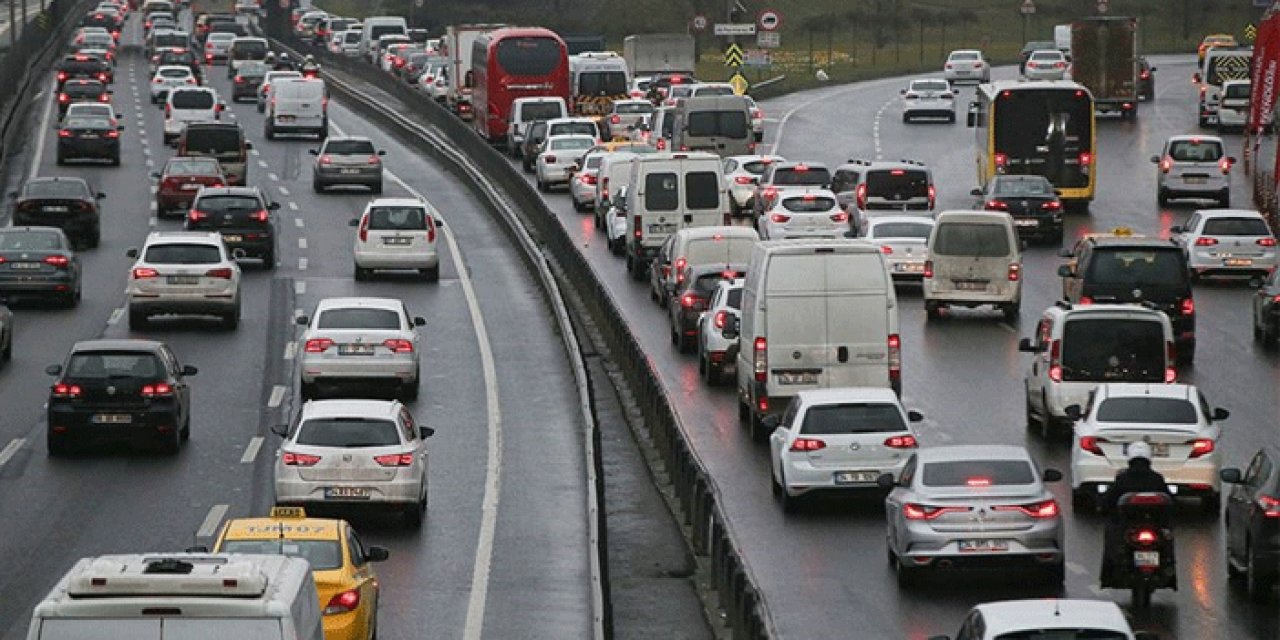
(626, 117)
(360, 340)
(1193, 166)
(582, 187)
(554, 165)
(717, 335)
(347, 160)
(904, 240)
(183, 272)
(1227, 242)
(973, 506)
(1048, 64)
(354, 454)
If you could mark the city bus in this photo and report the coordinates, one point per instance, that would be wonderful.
(1038, 128)
(510, 63)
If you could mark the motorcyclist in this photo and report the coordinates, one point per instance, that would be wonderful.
(654, 95)
(1139, 477)
(310, 68)
(283, 63)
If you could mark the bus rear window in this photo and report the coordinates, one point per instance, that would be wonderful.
(529, 56)
(1045, 132)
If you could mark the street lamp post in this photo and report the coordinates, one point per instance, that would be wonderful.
(1027, 9)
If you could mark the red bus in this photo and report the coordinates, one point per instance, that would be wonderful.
(510, 63)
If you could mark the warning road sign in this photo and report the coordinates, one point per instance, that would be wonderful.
(733, 55)
(740, 84)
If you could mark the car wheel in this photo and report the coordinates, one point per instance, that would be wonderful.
(6, 354)
(138, 319)
(1046, 418)
(186, 428)
(115, 162)
(376, 189)
(1259, 578)
(757, 429)
(684, 344)
(1012, 312)
(268, 131)
(57, 446)
(1057, 574)
(1162, 197)
(415, 513)
(1029, 412)
(1082, 501)
(60, 159)
(1211, 504)
(95, 239)
(542, 186)
(409, 390)
(1224, 199)
(307, 390)
(361, 273)
(430, 274)
(262, 107)
(774, 487)
(269, 260)
(932, 311)
(317, 186)
(907, 576)
(906, 118)
(951, 118)
(231, 319)
(171, 443)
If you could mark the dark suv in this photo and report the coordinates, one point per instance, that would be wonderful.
(1121, 267)
(132, 390)
(1253, 523)
(84, 65)
(66, 203)
(243, 216)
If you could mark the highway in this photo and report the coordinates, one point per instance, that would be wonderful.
(504, 551)
(823, 572)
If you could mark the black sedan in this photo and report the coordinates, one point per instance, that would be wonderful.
(691, 298)
(74, 91)
(1266, 311)
(1031, 200)
(83, 65)
(132, 390)
(1253, 523)
(92, 137)
(38, 262)
(243, 216)
(1146, 80)
(244, 85)
(63, 202)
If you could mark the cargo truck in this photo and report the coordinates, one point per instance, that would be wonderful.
(456, 46)
(651, 53)
(1104, 58)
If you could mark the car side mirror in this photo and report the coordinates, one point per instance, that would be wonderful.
(302, 320)
(914, 416)
(439, 221)
(1221, 414)
(1065, 271)
(280, 429)
(354, 222)
(99, 195)
(314, 152)
(1026, 346)
(1155, 159)
(1230, 475)
(771, 422)
(188, 370)
(374, 553)
(1072, 411)
(1177, 228)
(274, 206)
(119, 127)
(53, 369)
(902, 92)
(131, 253)
(419, 321)
(886, 481)
(977, 193)
(1051, 475)
(248, 145)
(426, 432)
(155, 175)
(1195, 77)
(382, 152)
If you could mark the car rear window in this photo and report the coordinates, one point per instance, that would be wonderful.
(397, 219)
(1063, 634)
(977, 473)
(348, 432)
(898, 184)
(1113, 349)
(971, 239)
(251, 49)
(1020, 186)
(177, 253)
(1157, 410)
(29, 240)
(571, 144)
(101, 365)
(713, 91)
(934, 85)
(359, 318)
(55, 189)
(84, 89)
(350, 147)
(902, 230)
(1138, 266)
(1236, 91)
(1235, 227)
(727, 124)
(702, 190)
(1195, 150)
(87, 123)
(593, 161)
(808, 176)
(192, 100)
(809, 204)
(852, 417)
(192, 167)
(633, 107)
(322, 554)
(213, 140)
(756, 167)
(238, 207)
(175, 73)
(572, 128)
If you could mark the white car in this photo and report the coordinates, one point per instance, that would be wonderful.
(904, 240)
(189, 104)
(397, 233)
(558, 156)
(168, 77)
(1227, 242)
(356, 454)
(1045, 64)
(1193, 166)
(968, 65)
(1233, 106)
(349, 43)
(741, 175)
(615, 222)
(1174, 419)
(757, 118)
(928, 98)
(582, 188)
(839, 440)
(360, 340)
(217, 47)
(1046, 618)
(434, 81)
(183, 272)
(717, 334)
(803, 213)
(626, 117)
(264, 89)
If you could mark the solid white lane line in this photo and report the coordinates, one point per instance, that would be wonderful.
(116, 315)
(300, 287)
(302, 243)
(10, 451)
(251, 451)
(40, 139)
(290, 350)
(211, 521)
(277, 396)
(302, 266)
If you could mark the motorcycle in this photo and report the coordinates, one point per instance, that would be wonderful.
(1139, 552)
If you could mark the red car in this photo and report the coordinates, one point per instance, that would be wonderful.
(181, 180)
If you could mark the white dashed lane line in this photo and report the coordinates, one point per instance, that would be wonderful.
(115, 317)
(251, 451)
(11, 450)
(300, 286)
(277, 396)
(273, 177)
(302, 243)
(262, 164)
(216, 513)
(290, 350)
(302, 266)
(283, 191)
(293, 206)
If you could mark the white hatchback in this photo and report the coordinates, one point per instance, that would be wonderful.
(717, 335)
(360, 340)
(354, 454)
(183, 272)
(169, 77)
(804, 213)
(189, 104)
(1193, 167)
(559, 154)
(1227, 242)
(397, 233)
(904, 240)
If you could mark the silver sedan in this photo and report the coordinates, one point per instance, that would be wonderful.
(973, 506)
(360, 340)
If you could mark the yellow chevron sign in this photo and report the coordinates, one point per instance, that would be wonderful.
(1250, 32)
(733, 55)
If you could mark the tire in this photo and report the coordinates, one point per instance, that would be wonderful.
(269, 260)
(58, 447)
(262, 107)
(430, 274)
(1081, 501)
(684, 343)
(115, 162)
(1141, 596)
(307, 390)
(1162, 197)
(268, 131)
(774, 487)
(1224, 199)
(542, 186)
(1056, 575)
(906, 118)
(1211, 504)
(361, 274)
(932, 311)
(95, 239)
(1011, 312)
(138, 319)
(317, 186)
(1046, 418)
(907, 576)
(715, 374)
(790, 504)
(6, 354)
(172, 443)
(376, 189)
(409, 390)
(185, 432)
(755, 425)
(414, 514)
(60, 159)
(1257, 580)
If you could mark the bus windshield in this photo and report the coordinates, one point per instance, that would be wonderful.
(1045, 132)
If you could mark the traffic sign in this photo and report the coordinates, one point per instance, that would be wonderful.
(699, 23)
(733, 55)
(734, 29)
(757, 57)
(768, 39)
(1028, 7)
(740, 84)
(1250, 32)
(769, 19)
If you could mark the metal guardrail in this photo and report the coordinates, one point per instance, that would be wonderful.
(546, 243)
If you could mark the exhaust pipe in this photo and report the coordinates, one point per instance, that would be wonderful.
(238, 254)
(945, 565)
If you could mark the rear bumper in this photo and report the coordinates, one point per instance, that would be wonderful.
(382, 493)
(194, 304)
(148, 424)
(386, 260)
(804, 478)
(51, 284)
(367, 371)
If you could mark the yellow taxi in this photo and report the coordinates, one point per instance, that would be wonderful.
(341, 564)
(620, 143)
(1216, 40)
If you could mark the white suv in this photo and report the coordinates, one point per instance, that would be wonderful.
(189, 104)
(1193, 166)
(397, 233)
(1227, 242)
(360, 340)
(183, 272)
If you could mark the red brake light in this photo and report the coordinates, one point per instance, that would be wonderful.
(62, 75)
(1085, 158)
(1225, 165)
(780, 218)
(1144, 537)
(898, 172)
(978, 481)
(1015, 272)
(326, 159)
(57, 261)
(300, 460)
(64, 390)
(1266, 242)
(807, 444)
(64, 98)
(373, 160)
(342, 602)
(1270, 506)
(196, 215)
(224, 273)
(1086, 300)
(996, 205)
(141, 273)
(912, 511)
(1052, 205)
(742, 180)
(760, 358)
(260, 215)
(1187, 307)
(395, 460)
(928, 269)
(1092, 444)
(64, 133)
(364, 229)
(615, 119)
(1166, 163)
(157, 390)
(398, 345)
(1046, 509)
(1205, 241)
(1201, 447)
(862, 195)
(721, 318)
(901, 442)
(840, 217)
(112, 133)
(895, 357)
(317, 345)
(1055, 361)
(1002, 160)
(106, 97)
(933, 196)
(689, 300)
(239, 79)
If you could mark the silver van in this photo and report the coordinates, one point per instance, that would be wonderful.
(718, 124)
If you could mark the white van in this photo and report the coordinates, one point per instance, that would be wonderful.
(152, 6)
(613, 174)
(182, 596)
(377, 26)
(670, 192)
(974, 259)
(528, 110)
(189, 104)
(298, 105)
(724, 245)
(816, 314)
(1062, 39)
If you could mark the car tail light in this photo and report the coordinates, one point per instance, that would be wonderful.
(1144, 537)
(911, 96)
(720, 319)
(1055, 361)
(260, 215)
(343, 602)
(112, 133)
(395, 460)
(1085, 158)
(638, 222)
(1187, 307)
(1225, 165)
(64, 133)
(168, 110)
(1002, 161)
(901, 442)
(142, 273)
(300, 460)
(1270, 506)
(157, 390)
(1171, 354)
(398, 345)
(58, 261)
(64, 390)
(1045, 509)
(760, 358)
(933, 196)
(239, 79)
(1166, 163)
(363, 232)
(196, 215)
(680, 264)
(106, 97)
(1052, 205)
(1145, 75)
(102, 77)
(1092, 444)
(861, 195)
(928, 268)
(588, 178)
(615, 119)
(1205, 241)
(1266, 242)
(742, 180)
(977, 65)
(996, 205)
(549, 159)
(948, 65)
(1201, 447)
(326, 159)
(1015, 272)
(317, 345)
(62, 75)
(64, 98)
(373, 160)
(1060, 65)
(208, 57)
(223, 273)
(807, 444)
(913, 511)
(689, 301)
(895, 357)
(1086, 300)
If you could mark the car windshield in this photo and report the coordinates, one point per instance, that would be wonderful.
(852, 417)
(348, 432)
(349, 147)
(1113, 349)
(1063, 634)
(930, 85)
(1235, 227)
(102, 365)
(1138, 266)
(322, 554)
(29, 241)
(1020, 186)
(359, 318)
(55, 189)
(977, 473)
(1195, 150)
(397, 219)
(807, 176)
(809, 204)
(885, 230)
(1147, 410)
(632, 107)
(191, 100)
(971, 239)
(192, 167)
(177, 253)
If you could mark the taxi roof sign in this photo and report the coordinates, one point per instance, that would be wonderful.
(288, 512)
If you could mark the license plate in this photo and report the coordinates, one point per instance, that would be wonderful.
(1160, 449)
(86, 136)
(56, 209)
(1026, 223)
(24, 265)
(984, 545)
(349, 172)
(346, 493)
(191, 187)
(183, 279)
(232, 238)
(669, 227)
(909, 267)
(1238, 262)
(797, 377)
(285, 118)
(971, 285)
(112, 418)
(1143, 559)
(856, 477)
(397, 241)
(1194, 180)
(356, 350)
